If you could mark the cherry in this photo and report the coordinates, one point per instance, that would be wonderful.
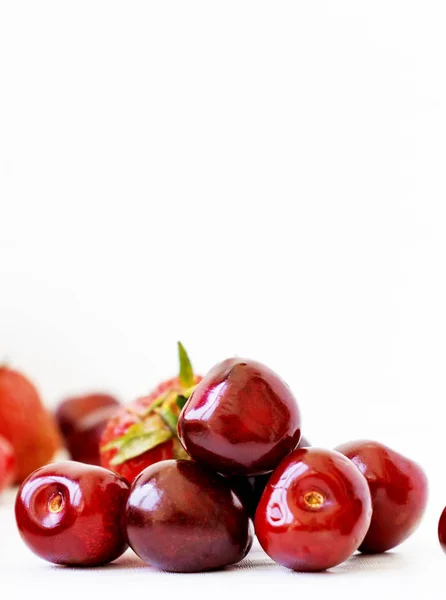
(398, 487)
(82, 420)
(442, 530)
(314, 512)
(182, 517)
(242, 419)
(7, 463)
(250, 489)
(70, 513)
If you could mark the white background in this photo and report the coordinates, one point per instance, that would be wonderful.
(264, 179)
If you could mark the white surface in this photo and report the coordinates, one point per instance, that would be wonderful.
(254, 178)
(413, 571)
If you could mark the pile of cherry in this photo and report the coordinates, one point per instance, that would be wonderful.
(310, 508)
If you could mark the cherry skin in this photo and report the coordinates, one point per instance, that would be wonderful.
(241, 419)
(442, 530)
(70, 513)
(183, 518)
(82, 420)
(250, 489)
(398, 487)
(314, 512)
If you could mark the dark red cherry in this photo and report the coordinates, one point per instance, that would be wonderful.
(82, 420)
(249, 489)
(442, 530)
(242, 419)
(399, 493)
(314, 512)
(182, 517)
(70, 513)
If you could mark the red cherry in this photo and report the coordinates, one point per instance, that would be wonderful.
(442, 530)
(314, 512)
(399, 493)
(7, 463)
(70, 513)
(182, 517)
(250, 489)
(82, 420)
(242, 419)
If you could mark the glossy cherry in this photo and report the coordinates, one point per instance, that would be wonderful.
(442, 530)
(82, 420)
(398, 487)
(251, 488)
(182, 517)
(7, 463)
(314, 512)
(242, 419)
(70, 513)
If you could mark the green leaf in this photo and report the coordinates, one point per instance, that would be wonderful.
(140, 444)
(184, 396)
(169, 417)
(155, 404)
(186, 372)
(135, 431)
(181, 401)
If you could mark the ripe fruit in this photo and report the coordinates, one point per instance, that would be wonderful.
(182, 517)
(242, 419)
(25, 423)
(250, 489)
(442, 530)
(145, 431)
(314, 512)
(7, 463)
(82, 421)
(70, 513)
(399, 493)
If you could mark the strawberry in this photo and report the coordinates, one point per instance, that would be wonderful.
(7, 463)
(145, 431)
(25, 423)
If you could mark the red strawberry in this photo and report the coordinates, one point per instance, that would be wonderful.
(25, 423)
(7, 463)
(145, 431)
